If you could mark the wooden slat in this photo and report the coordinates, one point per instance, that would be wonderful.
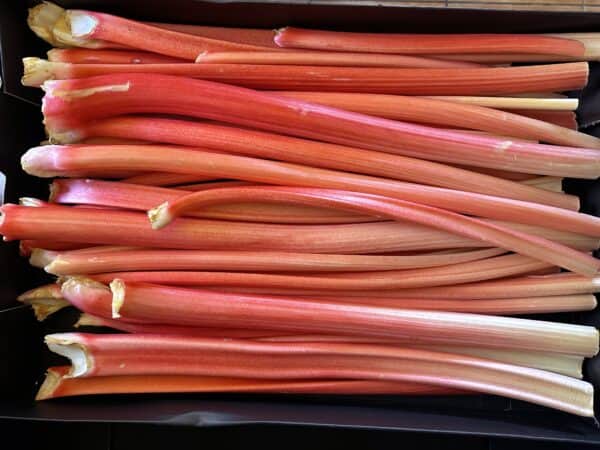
(516, 5)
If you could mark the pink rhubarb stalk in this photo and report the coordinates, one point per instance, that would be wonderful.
(374, 80)
(398, 210)
(427, 44)
(57, 385)
(100, 56)
(141, 260)
(69, 104)
(125, 354)
(50, 161)
(187, 307)
(418, 109)
(86, 25)
(340, 59)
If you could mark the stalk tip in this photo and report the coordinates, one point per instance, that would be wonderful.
(160, 216)
(41, 258)
(70, 346)
(38, 161)
(42, 18)
(49, 385)
(36, 71)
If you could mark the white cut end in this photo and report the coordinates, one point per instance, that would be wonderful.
(31, 202)
(63, 344)
(160, 216)
(117, 288)
(36, 71)
(41, 258)
(81, 23)
(40, 162)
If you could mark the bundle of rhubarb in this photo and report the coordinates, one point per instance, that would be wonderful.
(310, 211)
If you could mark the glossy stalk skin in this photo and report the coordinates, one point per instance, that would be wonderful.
(495, 235)
(106, 27)
(374, 80)
(106, 56)
(515, 103)
(69, 104)
(335, 59)
(52, 161)
(68, 263)
(427, 44)
(564, 364)
(528, 286)
(108, 355)
(105, 227)
(250, 36)
(142, 197)
(56, 385)
(128, 196)
(256, 144)
(164, 179)
(189, 307)
(492, 268)
(429, 111)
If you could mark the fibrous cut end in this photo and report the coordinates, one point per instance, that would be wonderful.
(65, 345)
(45, 300)
(42, 18)
(36, 71)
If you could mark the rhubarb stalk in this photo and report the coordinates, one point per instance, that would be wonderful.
(69, 104)
(124, 354)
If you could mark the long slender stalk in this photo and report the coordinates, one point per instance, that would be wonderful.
(416, 109)
(86, 25)
(128, 196)
(139, 197)
(381, 80)
(565, 119)
(564, 364)
(427, 44)
(141, 260)
(339, 59)
(104, 227)
(492, 268)
(56, 385)
(57, 160)
(398, 210)
(68, 104)
(100, 355)
(206, 308)
(100, 56)
(301, 151)
(511, 103)
(530, 286)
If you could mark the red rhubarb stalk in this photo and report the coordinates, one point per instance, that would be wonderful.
(497, 236)
(99, 56)
(141, 260)
(302, 151)
(498, 267)
(105, 227)
(375, 80)
(56, 385)
(69, 104)
(250, 36)
(515, 103)
(418, 109)
(427, 44)
(86, 25)
(189, 307)
(340, 59)
(54, 160)
(125, 354)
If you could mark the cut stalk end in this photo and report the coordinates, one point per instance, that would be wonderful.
(160, 216)
(42, 18)
(41, 258)
(117, 288)
(81, 23)
(36, 71)
(36, 160)
(45, 300)
(88, 320)
(63, 344)
(50, 384)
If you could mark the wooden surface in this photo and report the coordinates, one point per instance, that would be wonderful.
(517, 5)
